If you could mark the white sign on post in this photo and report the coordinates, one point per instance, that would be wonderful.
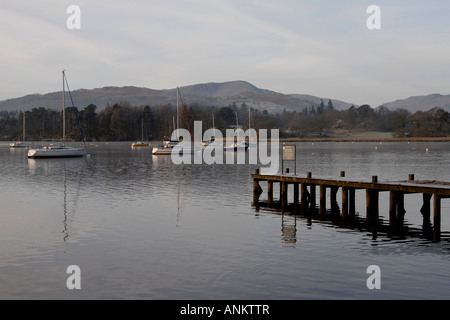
(288, 154)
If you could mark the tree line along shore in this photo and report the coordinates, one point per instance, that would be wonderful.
(124, 122)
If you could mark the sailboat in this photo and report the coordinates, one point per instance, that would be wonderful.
(140, 143)
(236, 146)
(20, 144)
(61, 151)
(208, 142)
(250, 142)
(169, 144)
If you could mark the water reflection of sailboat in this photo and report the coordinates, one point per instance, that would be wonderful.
(65, 229)
(182, 177)
(69, 214)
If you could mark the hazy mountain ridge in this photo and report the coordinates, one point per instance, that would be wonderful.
(423, 103)
(206, 94)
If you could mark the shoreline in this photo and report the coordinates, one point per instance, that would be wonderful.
(367, 139)
(330, 139)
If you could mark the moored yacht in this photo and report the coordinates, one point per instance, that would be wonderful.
(62, 151)
(51, 151)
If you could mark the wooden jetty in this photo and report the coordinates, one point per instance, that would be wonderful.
(305, 195)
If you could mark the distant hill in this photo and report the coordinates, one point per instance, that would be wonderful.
(206, 94)
(337, 104)
(423, 103)
(226, 89)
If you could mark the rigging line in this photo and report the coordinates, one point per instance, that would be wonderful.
(75, 112)
(185, 115)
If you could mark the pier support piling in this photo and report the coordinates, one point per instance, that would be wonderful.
(269, 192)
(372, 208)
(426, 213)
(437, 218)
(352, 206)
(323, 199)
(345, 203)
(305, 195)
(333, 200)
(284, 194)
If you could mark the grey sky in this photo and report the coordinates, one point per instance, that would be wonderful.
(317, 47)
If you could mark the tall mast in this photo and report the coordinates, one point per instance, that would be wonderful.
(178, 116)
(24, 126)
(64, 107)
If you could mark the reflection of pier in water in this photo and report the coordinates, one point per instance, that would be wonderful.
(305, 200)
(291, 213)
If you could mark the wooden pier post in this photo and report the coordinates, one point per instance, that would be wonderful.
(323, 199)
(400, 209)
(296, 194)
(426, 213)
(284, 194)
(344, 199)
(437, 218)
(372, 205)
(304, 197)
(257, 190)
(344, 203)
(312, 193)
(333, 199)
(392, 212)
(269, 192)
(352, 206)
(396, 211)
(281, 191)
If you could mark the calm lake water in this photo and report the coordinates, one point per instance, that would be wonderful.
(140, 227)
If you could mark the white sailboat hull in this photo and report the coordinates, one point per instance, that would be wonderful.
(18, 144)
(170, 150)
(236, 147)
(56, 152)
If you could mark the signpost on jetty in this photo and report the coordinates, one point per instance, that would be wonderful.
(288, 154)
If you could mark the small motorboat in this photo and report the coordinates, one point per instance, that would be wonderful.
(140, 144)
(18, 144)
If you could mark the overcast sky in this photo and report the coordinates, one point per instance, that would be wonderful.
(322, 48)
